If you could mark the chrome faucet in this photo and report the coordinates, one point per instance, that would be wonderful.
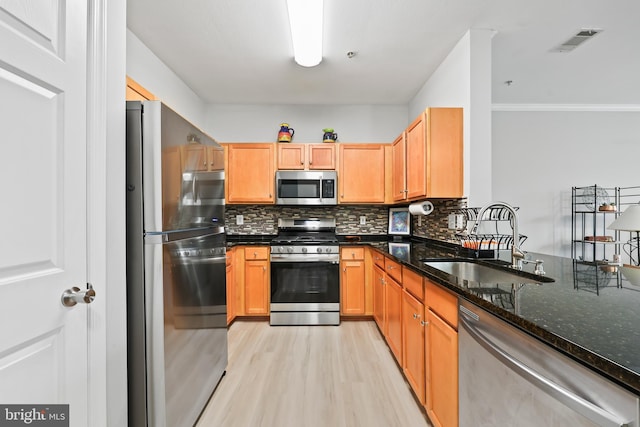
(516, 253)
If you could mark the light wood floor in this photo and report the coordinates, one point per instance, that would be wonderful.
(311, 376)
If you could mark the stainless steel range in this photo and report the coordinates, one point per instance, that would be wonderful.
(305, 273)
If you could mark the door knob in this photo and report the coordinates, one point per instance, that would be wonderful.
(75, 295)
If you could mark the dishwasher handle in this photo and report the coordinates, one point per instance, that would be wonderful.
(593, 412)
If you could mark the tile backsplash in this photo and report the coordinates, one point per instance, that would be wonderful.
(435, 225)
(263, 219)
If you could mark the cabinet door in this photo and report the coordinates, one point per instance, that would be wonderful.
(322, 156)
(399, 168)
(378, 297)
(256, 294)
(231, 288)
(291, 156)
(417, 158)
(413, 346)
(352, 288)
(361, 173)
(194, 157)
(215, 157)
(171, 185)
(442, 372)
(445, 150)
(250, 173)
(393, 305)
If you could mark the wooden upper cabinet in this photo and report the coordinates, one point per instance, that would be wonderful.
(250, 173)
(135, 92)
(428, 157)
(399, 167)
(361, 173)
(322, 156)
(291, 156)
(200, 158)
(194, 157)
(306, 156)
(445, 170)
(416, 155)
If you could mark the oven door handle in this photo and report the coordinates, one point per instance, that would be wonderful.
(203, 260)
(304, 258)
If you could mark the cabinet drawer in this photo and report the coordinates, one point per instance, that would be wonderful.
(442, 302)
(412, 282)
(378, 258)
(256, 252)
(393, 269)
(352, 253)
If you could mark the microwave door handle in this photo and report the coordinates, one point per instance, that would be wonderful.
(193, 188)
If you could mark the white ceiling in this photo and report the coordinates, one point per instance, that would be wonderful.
(240, 52)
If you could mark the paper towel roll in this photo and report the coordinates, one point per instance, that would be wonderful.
(421, 208)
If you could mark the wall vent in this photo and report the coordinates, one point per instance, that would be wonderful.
(576, 40)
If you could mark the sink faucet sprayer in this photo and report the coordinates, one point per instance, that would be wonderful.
(516, 253)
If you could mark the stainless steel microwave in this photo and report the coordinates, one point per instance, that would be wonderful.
(306, 188)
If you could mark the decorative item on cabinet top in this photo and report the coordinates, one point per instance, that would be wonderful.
(329, 135)
(286, 133)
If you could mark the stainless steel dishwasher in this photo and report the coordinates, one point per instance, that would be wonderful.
(508, 378)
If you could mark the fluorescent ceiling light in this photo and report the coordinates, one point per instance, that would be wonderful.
(305, 20)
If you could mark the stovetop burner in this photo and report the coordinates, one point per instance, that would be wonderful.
(305, 235)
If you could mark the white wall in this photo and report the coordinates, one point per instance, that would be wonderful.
(148, 70)
(464, 80)
(539, 155)
(261, 123)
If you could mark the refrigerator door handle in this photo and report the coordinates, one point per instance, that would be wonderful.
(570, 399)
(161, 237)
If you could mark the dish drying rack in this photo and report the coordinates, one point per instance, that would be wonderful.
(494, 241)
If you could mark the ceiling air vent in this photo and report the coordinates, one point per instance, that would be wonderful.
(575, 41)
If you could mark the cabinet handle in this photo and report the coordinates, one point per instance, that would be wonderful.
(310, 162)
(423, 323)
(264, 268)
(255, 254)
(415, 316)
(342, 195)
(391, 267)
(344, 269)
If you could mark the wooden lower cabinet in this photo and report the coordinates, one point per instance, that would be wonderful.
(378, 297)
(231, 287)
(352, 281)
(441, 351)
(252, 278)
(413, 344)
(393, 314)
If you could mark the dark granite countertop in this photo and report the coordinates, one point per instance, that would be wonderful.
(599, 326)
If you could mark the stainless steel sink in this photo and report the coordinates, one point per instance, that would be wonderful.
(474, 272)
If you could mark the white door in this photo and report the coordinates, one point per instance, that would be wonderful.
(43, 219)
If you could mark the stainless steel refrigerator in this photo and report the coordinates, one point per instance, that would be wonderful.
(176, 270)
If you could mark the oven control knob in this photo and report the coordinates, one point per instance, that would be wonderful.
(280, 249)
(304, 250)
(319, 249)
(290, 249)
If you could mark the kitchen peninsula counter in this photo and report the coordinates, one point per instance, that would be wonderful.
(584, 313)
